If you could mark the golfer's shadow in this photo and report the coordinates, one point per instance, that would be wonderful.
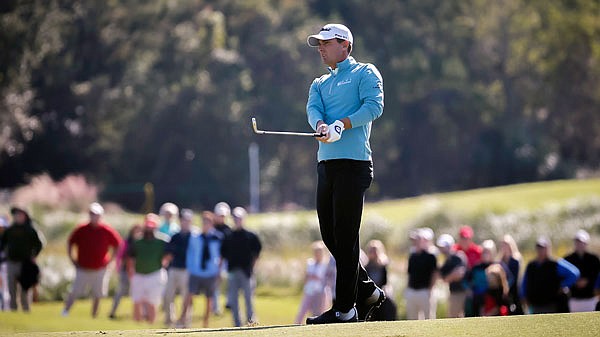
(266, 327)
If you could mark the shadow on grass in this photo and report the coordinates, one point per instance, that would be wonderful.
(266, 327)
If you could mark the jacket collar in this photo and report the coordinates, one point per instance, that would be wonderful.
(342, 66)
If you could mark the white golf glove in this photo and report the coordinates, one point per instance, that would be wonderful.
(335, 131)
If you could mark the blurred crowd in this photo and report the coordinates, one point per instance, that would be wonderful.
(166, 255)
(162, 257)
(489, 279)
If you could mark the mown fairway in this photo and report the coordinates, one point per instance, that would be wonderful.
(580, 325)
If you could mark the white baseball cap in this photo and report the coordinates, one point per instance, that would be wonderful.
(239, 212)
(582, 236)
(169, 207)
(96, 208)
(222, 209)
(445, 240)
(331, 31)
(426, 233)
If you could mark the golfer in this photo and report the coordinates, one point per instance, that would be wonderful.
(342, 104)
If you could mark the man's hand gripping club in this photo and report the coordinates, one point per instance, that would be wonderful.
(333, 132)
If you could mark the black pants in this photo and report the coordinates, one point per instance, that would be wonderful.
(341, 188)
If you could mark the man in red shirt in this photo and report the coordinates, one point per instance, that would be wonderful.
(466, 245)
(94, 240)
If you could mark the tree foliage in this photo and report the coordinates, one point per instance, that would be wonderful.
(478, 93)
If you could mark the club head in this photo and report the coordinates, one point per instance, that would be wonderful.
(254, 127)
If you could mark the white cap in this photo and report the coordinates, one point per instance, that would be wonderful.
(331, 31)
(426, 233)
(542, 241)
(222, 209)
(96, 208)
(169, 207)
(582, 236)
(239, 212)
(445, 240)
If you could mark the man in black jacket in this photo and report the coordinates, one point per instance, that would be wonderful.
(582, 292)
(241, 249)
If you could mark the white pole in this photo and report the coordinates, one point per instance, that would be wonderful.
(254, 178)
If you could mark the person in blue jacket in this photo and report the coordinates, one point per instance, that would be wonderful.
(546, 281)
(342, 104)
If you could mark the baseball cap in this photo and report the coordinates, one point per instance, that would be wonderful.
(445, 240)
(582, 236)
(96, 208)
(239, 212)
(186, 214)
(222, 209)
(169, 207)
(151, 220)
(331, 31)
(466, 232)
(426, 233)
(542, 241)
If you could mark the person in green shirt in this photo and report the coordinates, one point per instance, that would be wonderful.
(146, 267)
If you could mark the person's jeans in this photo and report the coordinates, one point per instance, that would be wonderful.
(341, 188)
(238, 280)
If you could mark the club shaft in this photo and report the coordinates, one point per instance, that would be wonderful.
(285, 133)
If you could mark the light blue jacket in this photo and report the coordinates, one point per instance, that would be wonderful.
(195, 254)
(353, 90)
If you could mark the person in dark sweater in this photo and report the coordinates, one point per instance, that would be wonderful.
(241, 250)
(422, 273)
(453, 272)
(546, 280)
(582, 292)
(21, 243)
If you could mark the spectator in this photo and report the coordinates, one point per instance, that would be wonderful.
(94, 240)
(510, 259)
(241, 250)
(314, 291)
(546, 280)
(135, 233)
(422, 271)
(488, 284)
(3, 279)
(203, 264)
(178, 278)
(467, 246)
(145, 266)
(453, 272)
(169, 212)
(582, 292)
(376, 266)
(330, 275)
(222, 212)
(21, 243)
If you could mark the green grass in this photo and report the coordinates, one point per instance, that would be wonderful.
(520, 197)
(46, 316)
(277, 306)
(581, 325)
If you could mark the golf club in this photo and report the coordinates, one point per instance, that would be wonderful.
(283, 133)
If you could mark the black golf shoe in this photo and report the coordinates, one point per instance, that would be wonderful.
(367, 308)
(331, 316)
